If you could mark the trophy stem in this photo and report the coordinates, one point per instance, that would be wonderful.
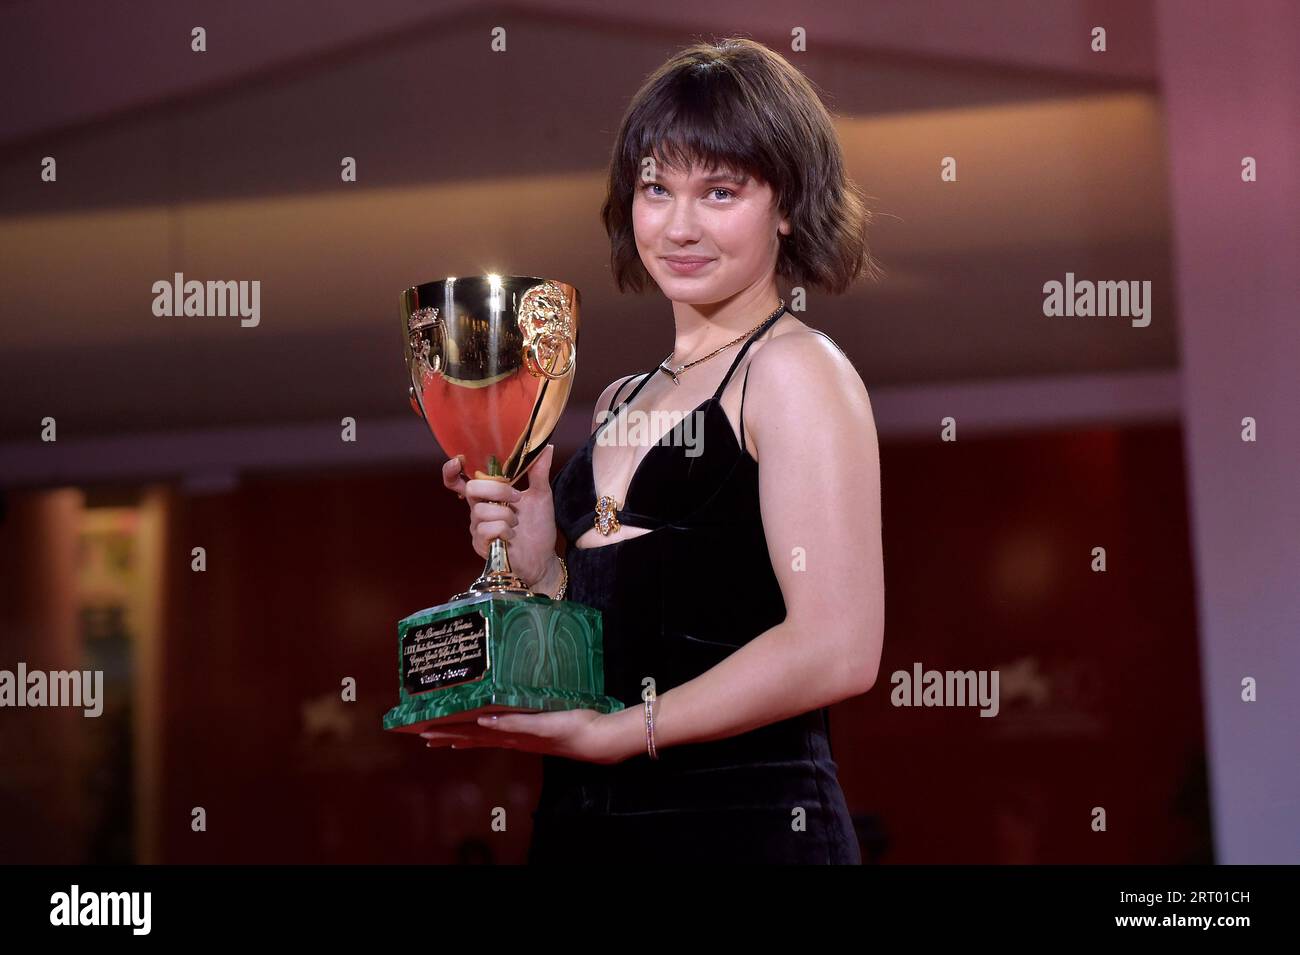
(497, 577)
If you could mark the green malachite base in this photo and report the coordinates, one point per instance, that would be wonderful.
(498, 652)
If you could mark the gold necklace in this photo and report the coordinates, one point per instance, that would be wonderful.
(668, 370)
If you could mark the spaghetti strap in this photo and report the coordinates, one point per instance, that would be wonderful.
(758, 333)
(745, 383)
(613, 401)
(610, 415)
(635, 391)
(743, 386)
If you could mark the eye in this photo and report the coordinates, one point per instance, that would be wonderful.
(651, 185)
(720, 189)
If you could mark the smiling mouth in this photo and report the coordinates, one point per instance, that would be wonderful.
(688, 266)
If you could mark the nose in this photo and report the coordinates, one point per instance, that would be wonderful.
(683, 225)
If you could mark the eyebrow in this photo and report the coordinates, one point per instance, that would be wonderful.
(733, 178)
(738, 179)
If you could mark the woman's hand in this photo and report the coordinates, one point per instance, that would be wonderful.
(586, 735)
(526, 519)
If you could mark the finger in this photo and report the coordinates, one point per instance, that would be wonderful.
(504, 742)
(539, 474)
(461, 731)
(494, 530)
(516, 723)
(498, 495)
(453, 476)
(483, 490)
(483, 518)
(485, 511)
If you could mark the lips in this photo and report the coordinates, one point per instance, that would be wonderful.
(687, 264)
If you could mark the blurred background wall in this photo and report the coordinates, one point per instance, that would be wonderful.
(1119, 689)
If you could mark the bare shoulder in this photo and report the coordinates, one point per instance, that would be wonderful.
(606, 396)
(803, 359)
(802, 378)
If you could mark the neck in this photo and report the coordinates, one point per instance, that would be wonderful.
(702, 328)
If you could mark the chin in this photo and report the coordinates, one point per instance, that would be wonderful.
(691, 298)
(688, 291)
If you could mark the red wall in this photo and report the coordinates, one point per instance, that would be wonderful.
(987, 556)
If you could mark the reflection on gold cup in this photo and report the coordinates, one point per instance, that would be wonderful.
(491, 362)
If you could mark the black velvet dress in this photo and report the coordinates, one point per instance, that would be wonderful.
(675, 602)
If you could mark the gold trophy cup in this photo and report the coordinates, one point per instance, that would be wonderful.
(491, 361)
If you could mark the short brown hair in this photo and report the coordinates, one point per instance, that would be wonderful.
(737, 105)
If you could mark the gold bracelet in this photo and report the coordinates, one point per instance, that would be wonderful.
(564, 578)
(650, 723)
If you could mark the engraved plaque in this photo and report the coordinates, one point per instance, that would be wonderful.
(445, 653)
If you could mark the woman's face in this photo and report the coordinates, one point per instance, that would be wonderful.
(705, 235)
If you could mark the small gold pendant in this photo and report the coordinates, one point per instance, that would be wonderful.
(606, 522)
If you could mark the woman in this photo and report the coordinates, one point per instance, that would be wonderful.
(739, 574)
